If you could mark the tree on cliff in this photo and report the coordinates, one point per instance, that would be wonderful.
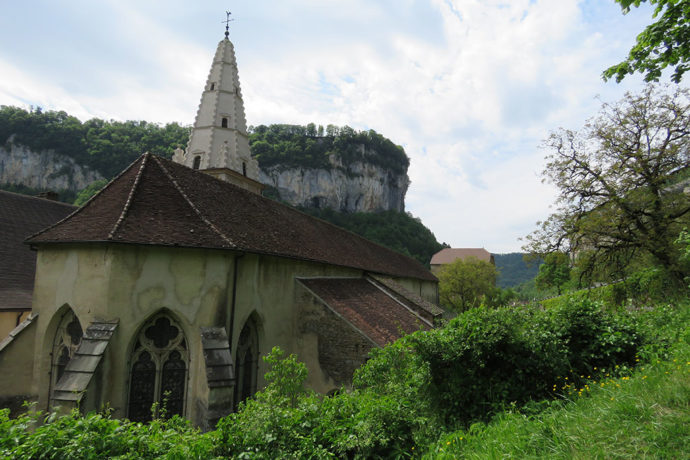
(615, 180)
(664, 43)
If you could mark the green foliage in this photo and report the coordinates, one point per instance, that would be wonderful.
(398, 231)
(466, 283)
(421, 388)
(663, 43)
(301, 146)
(513, 270)
(33, 436)
(554, 272)
(89, 191)
(617, 206)
(643, 415)
(106, 146)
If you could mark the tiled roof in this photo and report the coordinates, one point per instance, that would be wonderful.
(426, 309)
(21, 216)
(448, 255)
(159, 202)
(366, 307)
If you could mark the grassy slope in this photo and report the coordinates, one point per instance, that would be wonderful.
(646, 415)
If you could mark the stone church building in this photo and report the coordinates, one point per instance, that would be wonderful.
(178, 276)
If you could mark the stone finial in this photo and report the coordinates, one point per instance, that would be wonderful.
(178, 156)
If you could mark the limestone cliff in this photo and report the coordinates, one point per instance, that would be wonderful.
(359, 187)
(43, 170)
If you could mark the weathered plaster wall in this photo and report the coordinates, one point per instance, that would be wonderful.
(9, 320)
(16, 365)
(132, 283)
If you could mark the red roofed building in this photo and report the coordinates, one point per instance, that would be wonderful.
(450, 255)
(179, 275)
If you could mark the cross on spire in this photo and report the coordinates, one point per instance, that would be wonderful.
(227, 23)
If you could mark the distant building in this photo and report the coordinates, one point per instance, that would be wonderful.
(450, 255)
(20, 217)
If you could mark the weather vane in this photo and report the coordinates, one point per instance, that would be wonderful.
(227, 23)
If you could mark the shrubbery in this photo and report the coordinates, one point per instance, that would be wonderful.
(403, 399)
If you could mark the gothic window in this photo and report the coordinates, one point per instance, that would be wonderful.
(244, 168)
(247, 358)
(158, 372)
(224, 122)
(213, 86)
(67, 339)
(197, 162)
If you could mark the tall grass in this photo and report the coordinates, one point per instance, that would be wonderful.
(644, 415)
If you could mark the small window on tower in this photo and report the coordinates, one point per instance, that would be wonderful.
(213, 86)
(197, 162)
(224, 122)
(244, 168)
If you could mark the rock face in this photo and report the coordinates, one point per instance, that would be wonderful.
(43, 170)
(361, 187)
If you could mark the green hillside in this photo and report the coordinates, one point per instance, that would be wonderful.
(513, 271)
(398, 231)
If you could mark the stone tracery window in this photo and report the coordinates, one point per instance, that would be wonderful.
(158, 372)
(67, 339)
(247, 361)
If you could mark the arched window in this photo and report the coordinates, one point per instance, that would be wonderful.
(224, 122)
(67, 339)
(213, 86)
(244, 168)
(246, 361)
(197, 162)
(158, 372)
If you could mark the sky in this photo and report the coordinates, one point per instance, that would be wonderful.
(469, 88)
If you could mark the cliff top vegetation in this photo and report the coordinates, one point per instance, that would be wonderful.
(106, 146)
(311, 146)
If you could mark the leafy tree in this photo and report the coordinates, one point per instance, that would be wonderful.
(463, 284)
(554, 272)
(620, 182)
(664, 43)
(90, 190)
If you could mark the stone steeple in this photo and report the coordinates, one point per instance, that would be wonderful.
(219, 144)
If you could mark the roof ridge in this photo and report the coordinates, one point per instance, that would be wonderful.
(194, 207)
(32, 197)
(128, 203)
(82, 207)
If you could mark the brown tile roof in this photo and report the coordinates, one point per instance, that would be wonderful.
(366, 307)
(21, 216)
(156, 201)
(448, 255)
(425, 309)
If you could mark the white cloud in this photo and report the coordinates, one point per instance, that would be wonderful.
(468, 87)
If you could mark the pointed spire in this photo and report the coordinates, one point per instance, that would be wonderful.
(219, 143)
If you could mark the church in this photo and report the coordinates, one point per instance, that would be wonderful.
(170, 284)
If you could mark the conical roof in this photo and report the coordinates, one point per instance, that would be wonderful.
(158, 202)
